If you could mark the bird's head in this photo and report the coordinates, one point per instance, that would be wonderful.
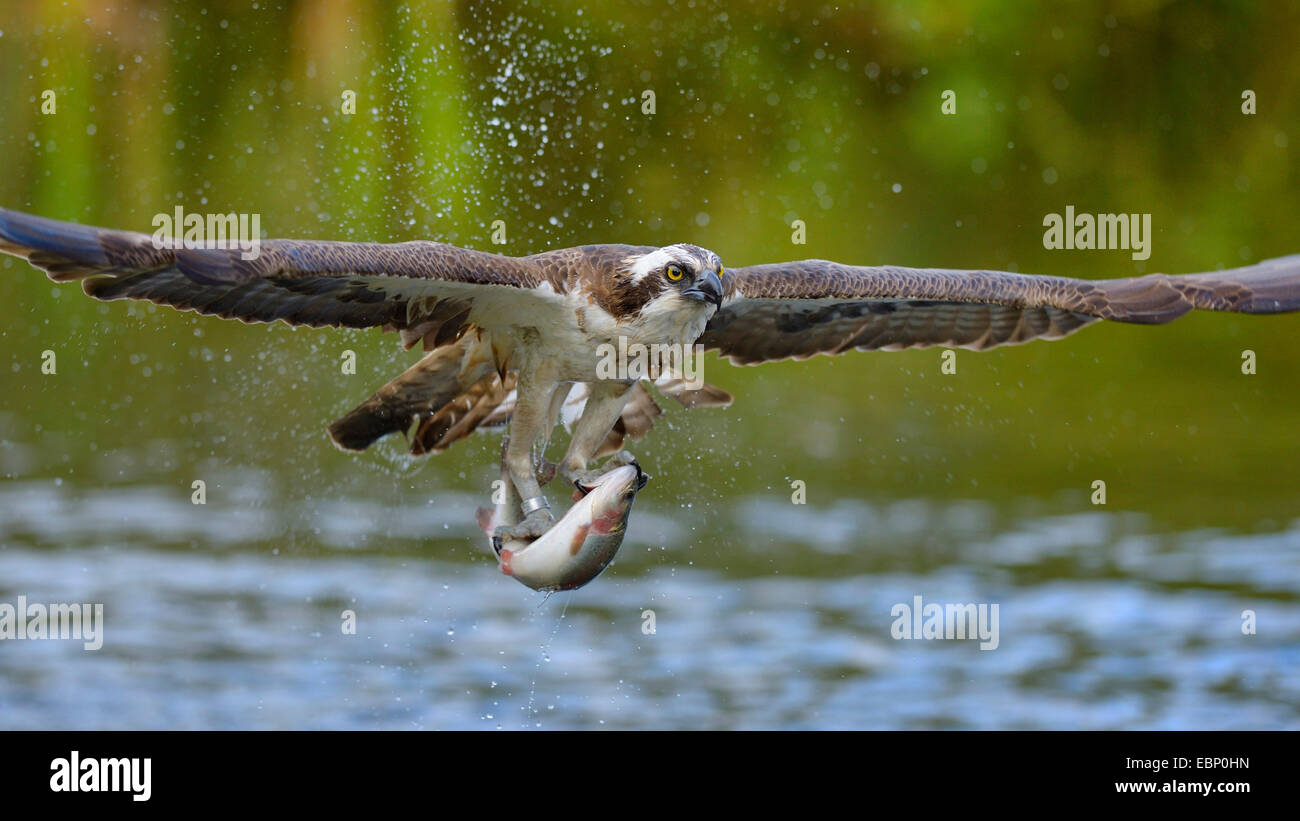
(676, 274)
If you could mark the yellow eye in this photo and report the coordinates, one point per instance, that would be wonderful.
(674, 273)
(721, 271)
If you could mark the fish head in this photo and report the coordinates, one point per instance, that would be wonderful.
(610, 498)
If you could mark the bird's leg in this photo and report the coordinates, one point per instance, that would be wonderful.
(605, 401)
(546, 469)
(526, 427)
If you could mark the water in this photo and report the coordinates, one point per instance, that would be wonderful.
(1103, 623)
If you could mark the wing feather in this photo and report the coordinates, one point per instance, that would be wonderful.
(801, 309)
(426, 290)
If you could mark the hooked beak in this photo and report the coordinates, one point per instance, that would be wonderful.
(707, 288)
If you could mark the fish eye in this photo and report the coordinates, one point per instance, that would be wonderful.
(674, 273)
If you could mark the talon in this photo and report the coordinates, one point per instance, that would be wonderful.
(532, 527)
(583, 480)
(619, 459)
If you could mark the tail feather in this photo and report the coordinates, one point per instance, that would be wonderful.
(461, 416)
(444, 413)
(419, 391)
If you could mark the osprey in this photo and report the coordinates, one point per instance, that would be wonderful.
(508, 338)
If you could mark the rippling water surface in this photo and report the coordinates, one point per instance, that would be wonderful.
(1103, 623)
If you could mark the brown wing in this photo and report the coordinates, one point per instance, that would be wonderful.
(800, 309)
(425, 290)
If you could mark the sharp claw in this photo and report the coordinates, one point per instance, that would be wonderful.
(532, 527)
(585, 480)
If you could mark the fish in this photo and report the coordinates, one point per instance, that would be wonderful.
(577, 547)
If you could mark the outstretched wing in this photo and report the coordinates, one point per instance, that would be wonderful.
(800, 309)
(426, 290)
